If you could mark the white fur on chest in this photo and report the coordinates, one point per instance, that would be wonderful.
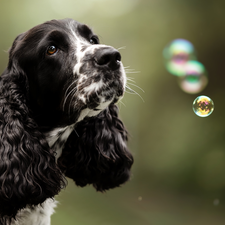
(39, 215)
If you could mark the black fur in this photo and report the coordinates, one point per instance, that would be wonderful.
(28, 172)
(96, 152)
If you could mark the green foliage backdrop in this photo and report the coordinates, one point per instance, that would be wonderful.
(179, 171)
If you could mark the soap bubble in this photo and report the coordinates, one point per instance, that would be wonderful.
(195, 78)
(203, 106)
(179, 50)
(177, 54)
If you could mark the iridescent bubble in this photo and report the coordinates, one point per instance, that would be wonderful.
(203, 106)
(177, 54)
(195, 78)
(179, 50)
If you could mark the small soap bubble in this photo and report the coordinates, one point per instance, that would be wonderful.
(203, 106)
(195, 78)
(177, 54)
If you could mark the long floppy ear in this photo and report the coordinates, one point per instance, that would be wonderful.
(28, 172)
(96, 153)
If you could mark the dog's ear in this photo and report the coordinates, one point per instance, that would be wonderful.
(28, 172)
(96, 152)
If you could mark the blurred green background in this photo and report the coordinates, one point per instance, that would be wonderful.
(179, 171)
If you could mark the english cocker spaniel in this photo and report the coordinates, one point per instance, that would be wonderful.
(58, 119)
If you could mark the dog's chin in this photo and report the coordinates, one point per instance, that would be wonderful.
(92, 107)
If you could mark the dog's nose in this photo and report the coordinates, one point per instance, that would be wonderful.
(108, 57)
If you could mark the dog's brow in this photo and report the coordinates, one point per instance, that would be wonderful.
(57, 36)
(84, 31)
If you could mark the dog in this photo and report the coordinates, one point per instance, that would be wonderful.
(58, 119)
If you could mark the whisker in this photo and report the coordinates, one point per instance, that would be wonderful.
(70, 86)
(67, 95)
(70, 103)
(73, 90)
(131, 91)
(136, 86)
(124, 47)
(121, 102)
(129, 70)
(126, 67)
(76, 132)
(133, 72)
(72, 93)
(131, 79)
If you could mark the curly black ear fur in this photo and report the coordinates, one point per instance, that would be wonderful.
(28, 172)
(96, 153)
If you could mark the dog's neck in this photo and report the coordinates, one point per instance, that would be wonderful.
(57, 137)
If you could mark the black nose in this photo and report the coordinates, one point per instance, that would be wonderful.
(108, 57)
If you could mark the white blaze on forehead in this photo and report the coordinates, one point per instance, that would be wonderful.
(78, 44)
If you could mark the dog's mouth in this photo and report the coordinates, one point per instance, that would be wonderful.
(94, 93)
(92, 103)
(100, 93)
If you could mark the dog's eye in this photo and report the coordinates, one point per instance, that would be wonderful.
(51, 50)
(94, 40)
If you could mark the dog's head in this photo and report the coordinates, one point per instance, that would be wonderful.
(71, 75)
